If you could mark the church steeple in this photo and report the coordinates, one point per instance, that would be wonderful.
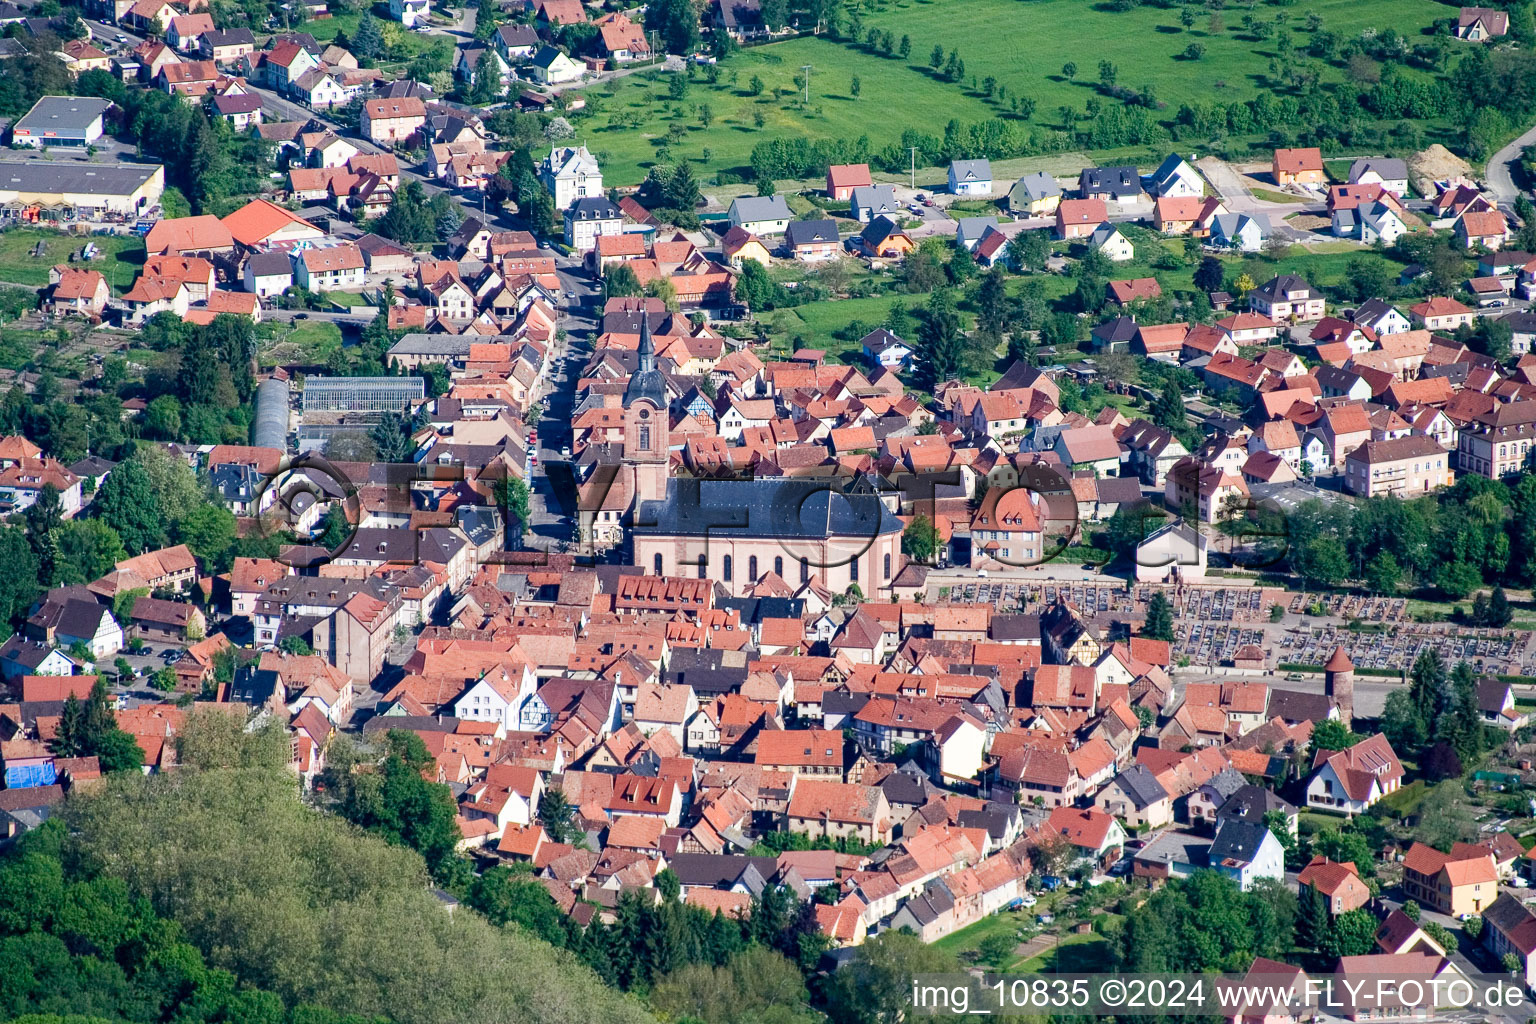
(646, 382)
(647, 347)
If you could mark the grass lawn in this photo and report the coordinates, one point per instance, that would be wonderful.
(1087, 952)
(970, 938)
(310, 341)
(1026, 58)
(124, 255)
(892, 98)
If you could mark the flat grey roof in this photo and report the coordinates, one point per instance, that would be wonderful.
(73, 176)
(63, 115)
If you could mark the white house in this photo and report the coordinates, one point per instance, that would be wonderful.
(1381, 317)
(589, 217)
(1350, 781)
(970, 177)
(1246, 851)
(1370, 223)
(497, 697)
(552, 67)
(970, 229)
(1176, 179)
(761, 215)
(1107, 239)
(1388, 172)
(1174, 549)
(570, 173)
(1238, 231)
(410, 13)
(871, 201)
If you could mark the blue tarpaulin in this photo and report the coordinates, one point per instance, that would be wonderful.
(28, 776)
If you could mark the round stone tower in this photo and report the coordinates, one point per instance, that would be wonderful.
(1339, 684)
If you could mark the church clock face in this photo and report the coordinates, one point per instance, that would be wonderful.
(645, 414)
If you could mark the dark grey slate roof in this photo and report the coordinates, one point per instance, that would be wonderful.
(785, 507)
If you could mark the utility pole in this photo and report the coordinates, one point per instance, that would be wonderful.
(914, 165)
(807, 69)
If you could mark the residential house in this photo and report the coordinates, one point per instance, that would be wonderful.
(1175, 178)
(1390, 173)
(587, 219)
(1481, 24)
(335, 268)
(1464, 881)
(1406, 466)
(392, 121)
(1287, 297)
(1120, 184)
(1136, 798)
(570, 173)
(811, 241)
(761, 215)
(820, 808)
(1299, 167)
(1034, 195)
(1439, 313)
(1487, 228)
(1238, 231)
(866, 202)
(550, 66)
(1350, 781)
(970, 177)
(1080, 218)
(1339, 884)
(843, 179)
(76, 292)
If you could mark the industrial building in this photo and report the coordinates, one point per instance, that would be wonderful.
(35, 191)
(362, 394)
(61, 121)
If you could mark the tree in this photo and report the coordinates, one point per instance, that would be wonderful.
(1352, 933)
(1446, 816)
(676, 23)
(940, 350)
(756, 984)
(875, 986)
(1168, 408)
(1325, 562)
(391, 438)
(920, 540)
(775, 14)
(1411, 910)
(854, 87)
(1499, 612)
(1159, 624)
(1456, 579)
(367, 41)
(1472, 927)
(211, 739)
(85, 549)
(209, 533)
(513, 497)
(1512, 963)
(1382, 573)
(294, 645)
(905, 50)
(395, 801)
(1194, 51)
(1345, 847)
(1332, 734)
(555, 812)
(936, 58)
(1312, 919)
(507, 896)
(619, 281)
(1210, 274)
(1187, 18)
(1029, 250)
(1402, 724)
(127, 503)
(162, 418)
(997, 949)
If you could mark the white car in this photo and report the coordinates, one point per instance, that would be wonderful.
(1027, 900)
(981, 573)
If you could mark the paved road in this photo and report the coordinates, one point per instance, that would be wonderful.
(1500, 176)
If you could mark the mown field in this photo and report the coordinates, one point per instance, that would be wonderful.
(1022, 44)
(123, 255)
